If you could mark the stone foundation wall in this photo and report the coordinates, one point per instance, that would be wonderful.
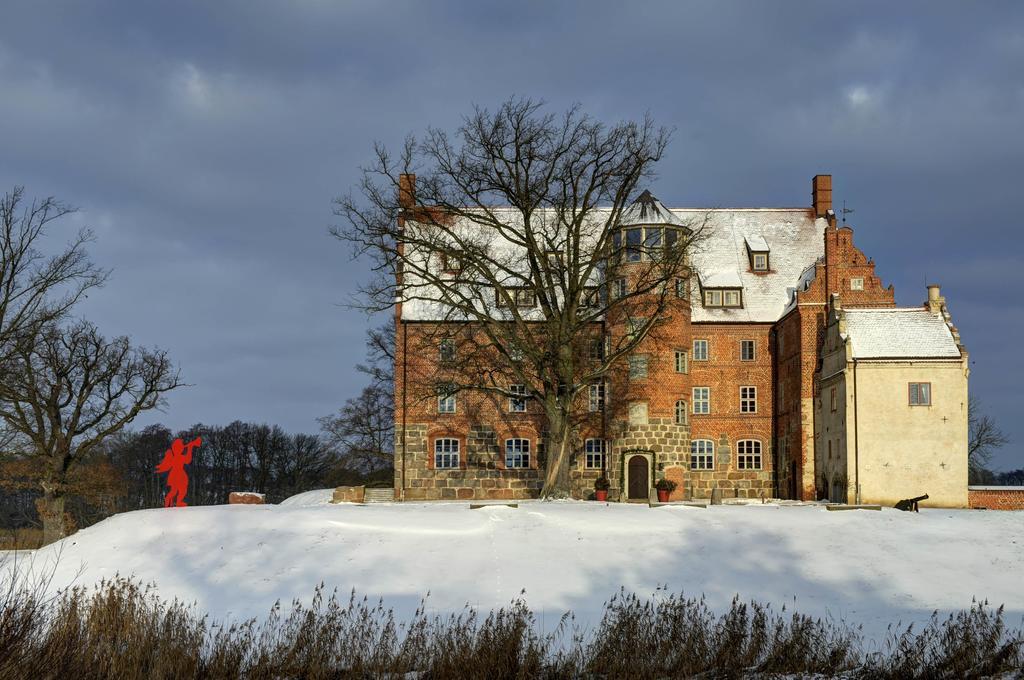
(996, 497)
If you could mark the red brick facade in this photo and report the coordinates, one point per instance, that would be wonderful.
(996, 498)
(779, 426)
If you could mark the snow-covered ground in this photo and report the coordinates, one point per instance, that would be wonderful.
(866, 567)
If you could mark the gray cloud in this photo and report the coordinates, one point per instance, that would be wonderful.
(204, 142)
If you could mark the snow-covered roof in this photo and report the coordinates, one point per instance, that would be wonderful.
(756, 243)
(797, 240)
(899, 333)
(720, 259)
(647, 210)
(720, 279)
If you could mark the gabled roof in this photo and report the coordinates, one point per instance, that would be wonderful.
(899, 333)
(721, 255)
(756, 243)
(647, 210)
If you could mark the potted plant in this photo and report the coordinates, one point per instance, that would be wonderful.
(601, 485)
(664, 487)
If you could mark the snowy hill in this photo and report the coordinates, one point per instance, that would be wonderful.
(867, 567)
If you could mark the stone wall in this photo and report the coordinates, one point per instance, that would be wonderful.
(348, 494)
(996, 497)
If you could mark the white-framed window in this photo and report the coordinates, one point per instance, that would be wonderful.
(702, 400)
(634, 325)
(760, 262)
(857, 283)
(638, 367)
(522, 296)
(920, 394)
(731, 298)
(681, 412)
(700, 350)
(619, 288)
(596, 396)
(712, 298)
(683, 289)
(446, 350)
(634, 244)
(747, 350)
(517, 453)
(515, 354)
(682, 365)
(451, 261)
(446, 399)
(748, 454)
(748, 399)
(702, 454)
(593, 453)
(517, 400)
(446, 453)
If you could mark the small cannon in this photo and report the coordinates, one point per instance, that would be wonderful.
(908, 504)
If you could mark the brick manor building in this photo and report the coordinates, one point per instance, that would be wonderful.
(726, 399)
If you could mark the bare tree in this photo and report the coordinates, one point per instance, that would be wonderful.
(984, 436)
(36, 289)
(363, 430)
(65, 390)
(524, 290)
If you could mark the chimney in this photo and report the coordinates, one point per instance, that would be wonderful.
(935, 300)
(406, 191)
(821, 194)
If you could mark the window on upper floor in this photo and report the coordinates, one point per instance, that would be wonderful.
(702, 400)
(700, 350)
(760, 262)
(595, 396)
(857, 283)
(522, 296)
(832, 399)
(638, 367)
(446, 398)
(618, 288)
(746, 350)
(451, 261)
(446, 350)
(683, 289)
(682, 412)
(920, 394)
(682, 365)
(517, 399)
(723, 297)
(748, 399)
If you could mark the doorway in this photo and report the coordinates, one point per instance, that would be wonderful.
(638, 478)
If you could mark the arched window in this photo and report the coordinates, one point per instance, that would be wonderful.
(702, 454)
(681, 412)
(748, 454)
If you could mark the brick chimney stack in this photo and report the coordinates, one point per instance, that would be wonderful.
(821, 194)
(406, 191)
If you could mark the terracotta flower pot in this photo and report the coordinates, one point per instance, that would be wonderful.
(663, 495)
(601, 494)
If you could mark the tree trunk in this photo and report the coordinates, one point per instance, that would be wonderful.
(556, 473)
(51, 512)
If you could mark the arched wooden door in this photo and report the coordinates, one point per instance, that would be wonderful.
(639, 478)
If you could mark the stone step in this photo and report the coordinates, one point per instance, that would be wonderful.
(378, 495)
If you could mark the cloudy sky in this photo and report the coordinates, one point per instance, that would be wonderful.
(204, 141)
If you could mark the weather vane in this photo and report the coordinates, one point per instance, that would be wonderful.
(846, 211)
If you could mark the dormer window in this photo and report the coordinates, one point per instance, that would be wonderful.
(757, 251)
(522, 296)
(451, 262)
(723, 297)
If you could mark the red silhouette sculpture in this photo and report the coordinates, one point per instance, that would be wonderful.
(174, 462)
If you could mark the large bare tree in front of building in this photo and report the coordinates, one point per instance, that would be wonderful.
(64, 389)
(520, 291)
